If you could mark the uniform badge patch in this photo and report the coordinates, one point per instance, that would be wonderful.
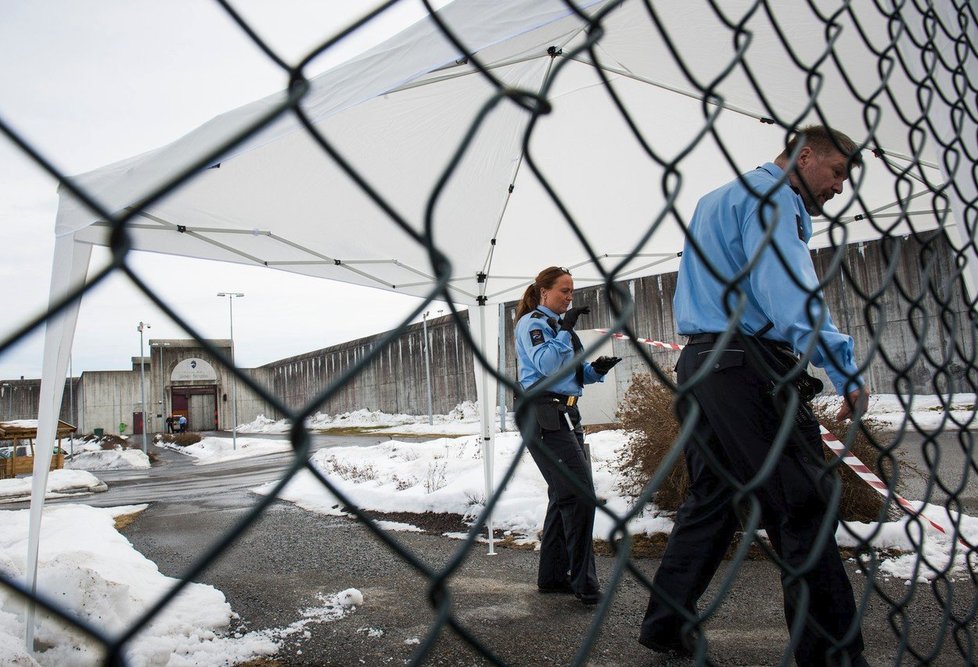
(536, 337)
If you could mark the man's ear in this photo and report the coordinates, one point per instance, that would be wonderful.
(804, 155)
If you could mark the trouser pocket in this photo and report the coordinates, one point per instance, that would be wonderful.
(549, 416)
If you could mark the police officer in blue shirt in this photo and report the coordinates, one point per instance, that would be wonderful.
(754, 232)
(545, 345)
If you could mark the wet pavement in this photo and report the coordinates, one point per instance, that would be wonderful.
(279, 565)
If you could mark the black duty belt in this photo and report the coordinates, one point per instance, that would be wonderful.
(702, 338)
(569, 401)
(710, 338)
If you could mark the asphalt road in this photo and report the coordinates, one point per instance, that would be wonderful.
(288, 557)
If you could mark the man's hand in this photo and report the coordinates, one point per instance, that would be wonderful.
(604, 364)
(570, 317)
(856, 402)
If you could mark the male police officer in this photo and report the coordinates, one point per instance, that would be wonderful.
(753, 232)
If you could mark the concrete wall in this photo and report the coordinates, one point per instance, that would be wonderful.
(393, 381)
(108, 399)
(900, 299)
(19, 400)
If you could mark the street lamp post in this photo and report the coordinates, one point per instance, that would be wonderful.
(161, 345)
(142, 382)
(234, 377)
(71, 406)
(427, 363)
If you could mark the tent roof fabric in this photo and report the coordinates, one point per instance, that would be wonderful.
(401, 113)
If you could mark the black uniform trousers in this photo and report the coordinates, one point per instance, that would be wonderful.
(567, 545)
(738, 423)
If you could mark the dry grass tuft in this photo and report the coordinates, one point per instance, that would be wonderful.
(124, 520)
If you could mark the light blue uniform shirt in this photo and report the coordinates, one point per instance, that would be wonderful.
(729, 226)
(540, 353)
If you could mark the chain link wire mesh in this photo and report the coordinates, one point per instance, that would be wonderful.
(938, 305)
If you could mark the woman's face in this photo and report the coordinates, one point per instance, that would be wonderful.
(558, 298)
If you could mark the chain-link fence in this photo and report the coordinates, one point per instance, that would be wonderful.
(898, 78)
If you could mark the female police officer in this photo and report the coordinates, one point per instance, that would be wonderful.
(545, 343)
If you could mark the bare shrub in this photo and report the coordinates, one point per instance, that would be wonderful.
(436, 477)
(402, 483)
(351, 471)
(110, 442)
(181, 439)
(646, 413)
(474, 499)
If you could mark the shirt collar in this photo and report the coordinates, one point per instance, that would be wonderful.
(778, 172)
(773, 169)
(548, 312)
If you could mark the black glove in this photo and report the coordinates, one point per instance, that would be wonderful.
(570, 317)
(604, 364)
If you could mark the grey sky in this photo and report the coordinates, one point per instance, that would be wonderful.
(90, 82)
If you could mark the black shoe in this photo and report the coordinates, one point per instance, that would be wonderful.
(659, 646)
(589, 599)
(563, 588)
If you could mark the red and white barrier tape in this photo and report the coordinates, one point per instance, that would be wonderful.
(833, 443)
(653, 343)
(868, 476)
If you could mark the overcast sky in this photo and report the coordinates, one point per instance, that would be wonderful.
(90, 82)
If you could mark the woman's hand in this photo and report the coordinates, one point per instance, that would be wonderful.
(604, 364)
(570, 317)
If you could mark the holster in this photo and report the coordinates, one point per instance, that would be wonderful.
(782, 362)
(549, 415)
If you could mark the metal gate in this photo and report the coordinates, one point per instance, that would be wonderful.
(201, 417)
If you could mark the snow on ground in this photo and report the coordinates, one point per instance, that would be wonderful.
(213, 449)
(463, 420)
(60, 483)
(447, 476)
(113, 459)
(86, 564)
(927, 413)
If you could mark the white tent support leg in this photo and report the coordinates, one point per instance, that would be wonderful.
(501, 367)
(485, 319)
(69, 269)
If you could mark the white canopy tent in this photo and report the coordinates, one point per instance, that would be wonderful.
(399, 112)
